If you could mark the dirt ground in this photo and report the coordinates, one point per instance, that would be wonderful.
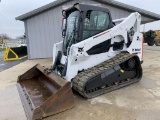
(140, 101)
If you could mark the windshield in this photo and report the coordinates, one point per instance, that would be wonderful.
(71, 30)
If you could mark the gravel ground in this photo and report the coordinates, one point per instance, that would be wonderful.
(153, 48)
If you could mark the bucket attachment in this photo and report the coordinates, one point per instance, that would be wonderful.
(44, 94)
(15, 53)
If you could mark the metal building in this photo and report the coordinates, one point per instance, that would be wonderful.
(43, 25)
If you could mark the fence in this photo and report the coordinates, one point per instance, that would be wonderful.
(2, 46)
(13, 43)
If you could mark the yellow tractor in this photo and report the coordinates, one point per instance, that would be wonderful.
(157, 38)
(152, 37)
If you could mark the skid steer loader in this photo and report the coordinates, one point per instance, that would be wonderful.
(97, 55)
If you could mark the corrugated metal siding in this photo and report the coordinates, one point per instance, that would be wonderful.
(44, 29)
(27, 40)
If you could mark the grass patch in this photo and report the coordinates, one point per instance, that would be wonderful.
(2, 49)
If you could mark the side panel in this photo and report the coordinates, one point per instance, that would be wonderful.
(57, 47)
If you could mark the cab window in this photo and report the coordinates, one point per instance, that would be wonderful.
(95, 22)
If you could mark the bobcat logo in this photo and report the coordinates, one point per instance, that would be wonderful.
(136, 50)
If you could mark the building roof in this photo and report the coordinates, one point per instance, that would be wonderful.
(109, 2)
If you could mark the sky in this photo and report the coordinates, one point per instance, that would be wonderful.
(10, 9)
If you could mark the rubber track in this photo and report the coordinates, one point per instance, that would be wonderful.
(80, 80)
